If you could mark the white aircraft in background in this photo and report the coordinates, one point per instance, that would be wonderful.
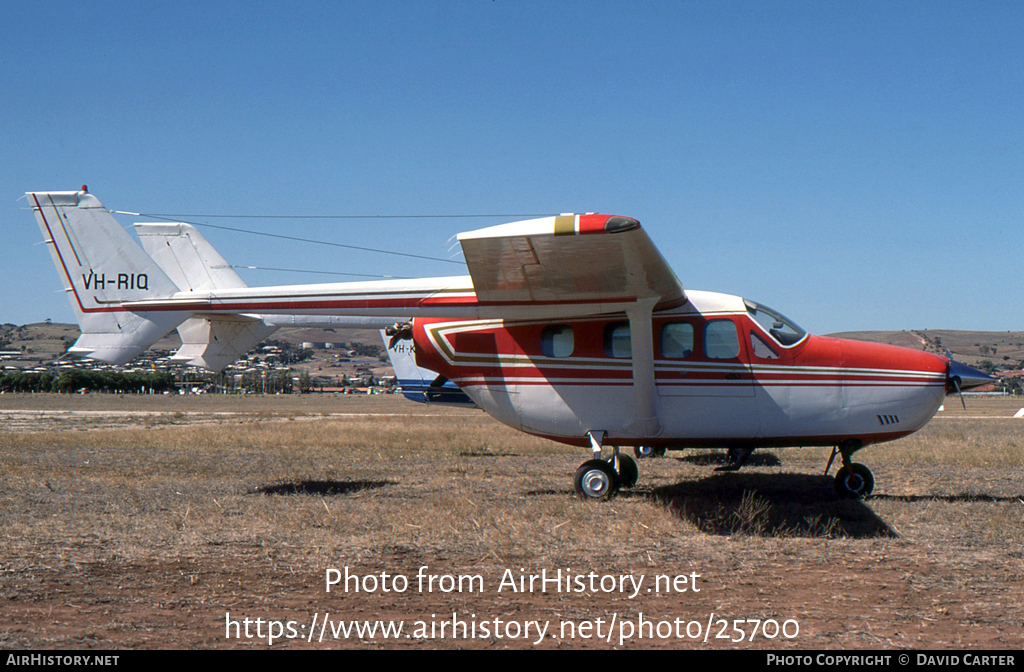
(570, 327)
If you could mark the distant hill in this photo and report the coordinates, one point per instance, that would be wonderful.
(297, 336)
(1002, 348)
(38, 341)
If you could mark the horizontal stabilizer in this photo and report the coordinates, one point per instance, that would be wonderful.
(215, 341)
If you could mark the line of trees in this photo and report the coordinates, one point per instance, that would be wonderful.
(267, 382)
(73, 380)
(276, 381)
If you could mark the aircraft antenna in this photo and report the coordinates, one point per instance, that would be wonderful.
(284, 237)
(513, 215)
(303, 270)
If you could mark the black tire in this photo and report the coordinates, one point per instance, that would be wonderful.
(626, 470)
(644, 452)
(854, 482)
(596, 480)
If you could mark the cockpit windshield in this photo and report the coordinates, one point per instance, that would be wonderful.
(781, 328)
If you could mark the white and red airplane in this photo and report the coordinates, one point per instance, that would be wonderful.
(570, 327)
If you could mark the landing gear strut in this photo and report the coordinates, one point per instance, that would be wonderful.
(737, 458)
(626, 468)
(599, 478)
(853, 481)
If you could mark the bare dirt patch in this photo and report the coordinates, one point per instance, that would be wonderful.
(128, 536)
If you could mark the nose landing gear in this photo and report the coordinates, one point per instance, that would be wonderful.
(853, 481)
(737, 458)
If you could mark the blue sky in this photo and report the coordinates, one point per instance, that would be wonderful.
(853, 165)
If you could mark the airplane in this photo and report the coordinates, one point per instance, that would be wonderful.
(417, 383)
(570, 327)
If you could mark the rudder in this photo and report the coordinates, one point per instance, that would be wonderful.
(101, 266)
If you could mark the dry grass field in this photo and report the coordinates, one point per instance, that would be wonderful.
(154, 522)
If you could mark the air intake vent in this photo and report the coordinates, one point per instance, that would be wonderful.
(888, 419)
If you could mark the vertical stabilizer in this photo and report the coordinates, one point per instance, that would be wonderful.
(187, 257)
(209, 341)
(101, 266)
(417, 383)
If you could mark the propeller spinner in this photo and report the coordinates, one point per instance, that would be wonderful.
(960, 377)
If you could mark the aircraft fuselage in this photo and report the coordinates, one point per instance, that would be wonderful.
(722, 379)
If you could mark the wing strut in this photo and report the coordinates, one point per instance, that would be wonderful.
(645, 423)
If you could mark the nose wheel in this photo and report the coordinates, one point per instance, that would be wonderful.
(853, 481)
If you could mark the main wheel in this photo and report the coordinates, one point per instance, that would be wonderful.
(626, 470)
(595, 479)
(854, 481)
(643, 452)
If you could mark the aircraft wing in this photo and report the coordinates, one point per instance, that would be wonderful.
(568, 259)
(564, 266)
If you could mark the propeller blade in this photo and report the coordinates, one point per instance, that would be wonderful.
(961, 377)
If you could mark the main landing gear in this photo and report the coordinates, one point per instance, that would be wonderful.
(600, 479)
(853, 481)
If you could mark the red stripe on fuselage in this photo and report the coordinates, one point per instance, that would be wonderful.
(512, 350)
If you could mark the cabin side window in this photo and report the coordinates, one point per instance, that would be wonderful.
(557, 341)
(760, 348)
(617, 340)
(721, 341)
(677, 340)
